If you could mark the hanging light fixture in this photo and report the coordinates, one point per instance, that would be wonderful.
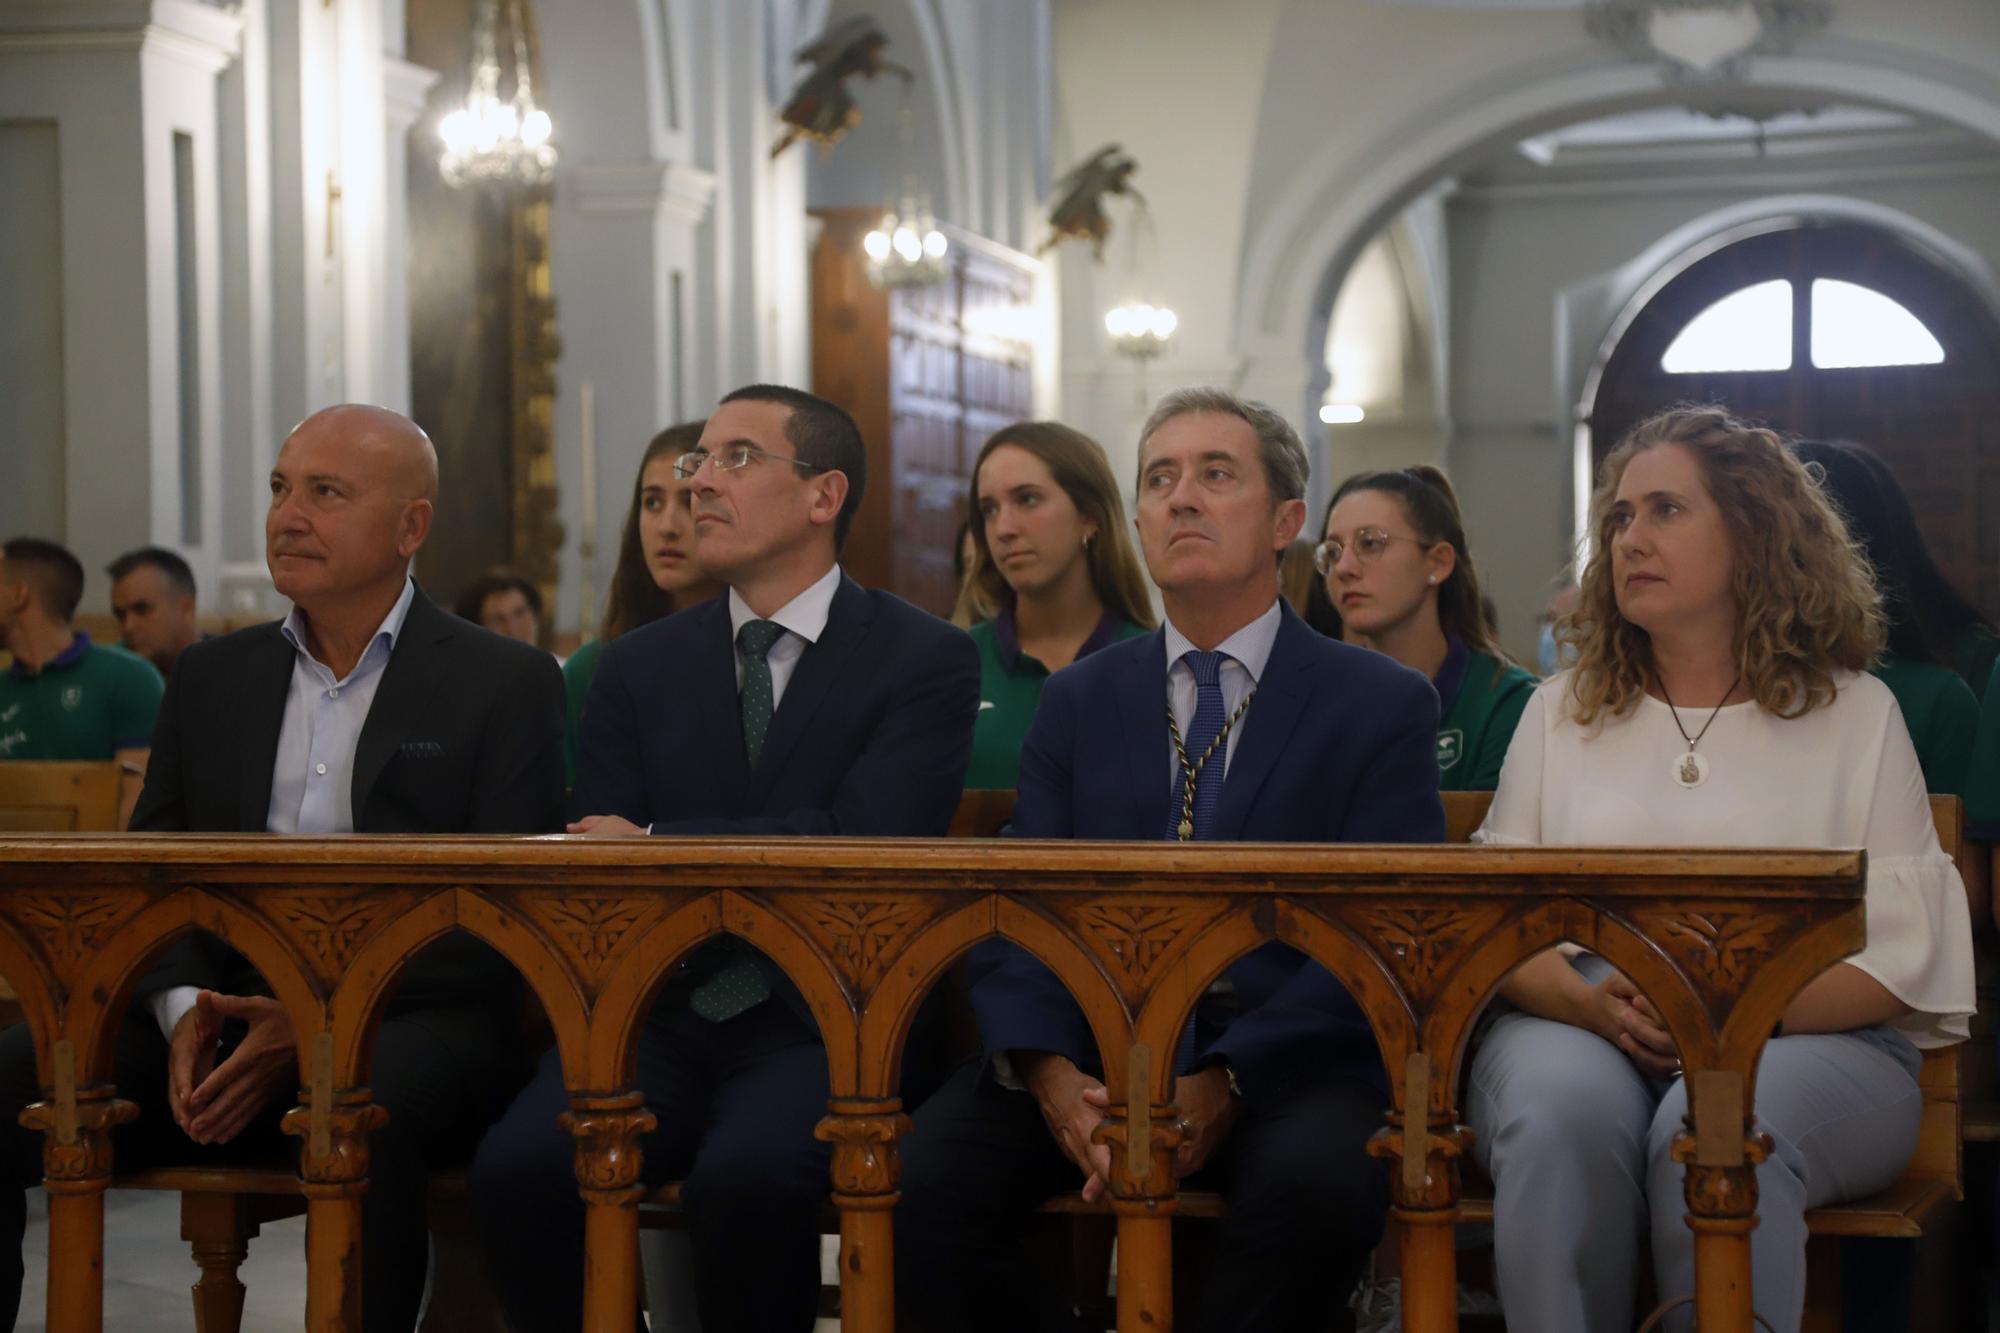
(1140, 329)
(906, 249)
(488, 141)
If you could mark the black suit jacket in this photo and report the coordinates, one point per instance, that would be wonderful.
(871, 738)
(464, 735)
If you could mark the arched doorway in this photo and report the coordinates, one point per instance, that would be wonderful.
(1834, 331)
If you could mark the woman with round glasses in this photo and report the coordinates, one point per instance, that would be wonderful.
(1398, 573)
(1053, 578)
(656, 574)
(1720, 698)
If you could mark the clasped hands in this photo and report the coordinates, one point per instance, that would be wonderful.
(1628, 1020)
(1074, 1104)
(213, 1103)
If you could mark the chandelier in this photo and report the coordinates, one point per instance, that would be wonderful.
(1140, 329)
(488, 141)
(906, 249)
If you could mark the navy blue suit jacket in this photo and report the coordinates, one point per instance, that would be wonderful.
(1340, 745)
(870, 739)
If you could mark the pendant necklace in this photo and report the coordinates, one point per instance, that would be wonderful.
(1691, 770)
(1190, 771)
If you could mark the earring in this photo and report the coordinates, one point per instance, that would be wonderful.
(1433, 578)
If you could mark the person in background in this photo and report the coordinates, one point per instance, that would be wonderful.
(1957, 634)
(1926, 616)
(1299, 584)
(64, 697)
(1397, 569)
(1550, 656)
(657, 573)
(504, 602)
(1053, 577)
(962, 547)
(153, 601)
(1982, 802)
(1720, 699)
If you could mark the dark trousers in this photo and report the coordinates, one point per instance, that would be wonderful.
(1305, 1207)
(737, 1103)
(443, 1074)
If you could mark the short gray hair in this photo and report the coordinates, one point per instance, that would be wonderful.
(1284, 454)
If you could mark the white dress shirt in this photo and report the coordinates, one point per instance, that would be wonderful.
(803, 620)
(1245, 655)
(1844, 775)
(312, 781)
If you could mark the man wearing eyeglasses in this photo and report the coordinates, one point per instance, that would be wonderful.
(800, 704)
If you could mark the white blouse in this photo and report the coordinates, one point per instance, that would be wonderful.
(1844, 775)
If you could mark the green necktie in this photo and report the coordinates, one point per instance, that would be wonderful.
(754, 640)
(737, 983)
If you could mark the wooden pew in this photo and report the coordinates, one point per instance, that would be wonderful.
(1135, 931)
(38, 796)
(42, 796)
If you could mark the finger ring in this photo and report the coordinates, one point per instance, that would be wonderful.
(1184, 1125)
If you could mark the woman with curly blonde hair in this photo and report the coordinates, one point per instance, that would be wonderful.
(1719, 698)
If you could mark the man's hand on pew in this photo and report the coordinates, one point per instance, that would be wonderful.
(214, 1103)
(605, 826)
(1207, 1109)
(1074, 1104)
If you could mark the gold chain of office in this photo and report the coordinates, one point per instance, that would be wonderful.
(1192, 770)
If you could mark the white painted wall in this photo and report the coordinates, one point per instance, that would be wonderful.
(31, 343)
(117, 82)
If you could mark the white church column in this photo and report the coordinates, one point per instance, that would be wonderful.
(624, 250)
(122, 99)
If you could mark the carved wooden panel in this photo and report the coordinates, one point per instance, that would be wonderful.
(1411, 920)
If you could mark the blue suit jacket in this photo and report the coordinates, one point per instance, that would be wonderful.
(1340, 745)
(870, 739)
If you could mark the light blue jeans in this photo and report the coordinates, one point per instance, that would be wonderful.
(1576, 1141)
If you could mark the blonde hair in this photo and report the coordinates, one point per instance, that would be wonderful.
(1078, 465)
(1806, 599)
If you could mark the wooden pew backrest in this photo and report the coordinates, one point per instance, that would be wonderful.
(45, 797)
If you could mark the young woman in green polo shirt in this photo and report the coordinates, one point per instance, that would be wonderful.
(1927, 617)
(656, 574)
(1398, 573)
(1053, 578)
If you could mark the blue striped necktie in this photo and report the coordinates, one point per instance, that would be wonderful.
(1209, 716)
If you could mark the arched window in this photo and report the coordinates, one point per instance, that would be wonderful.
(1749, 329)
(1852, 328)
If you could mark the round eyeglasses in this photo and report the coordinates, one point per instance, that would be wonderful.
(730, 457)
(1369, 544)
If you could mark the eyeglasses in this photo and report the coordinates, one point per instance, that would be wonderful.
(1369, 544)
(730, 457)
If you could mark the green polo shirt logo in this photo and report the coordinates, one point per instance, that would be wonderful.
(1451, 744)
(72, 698)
